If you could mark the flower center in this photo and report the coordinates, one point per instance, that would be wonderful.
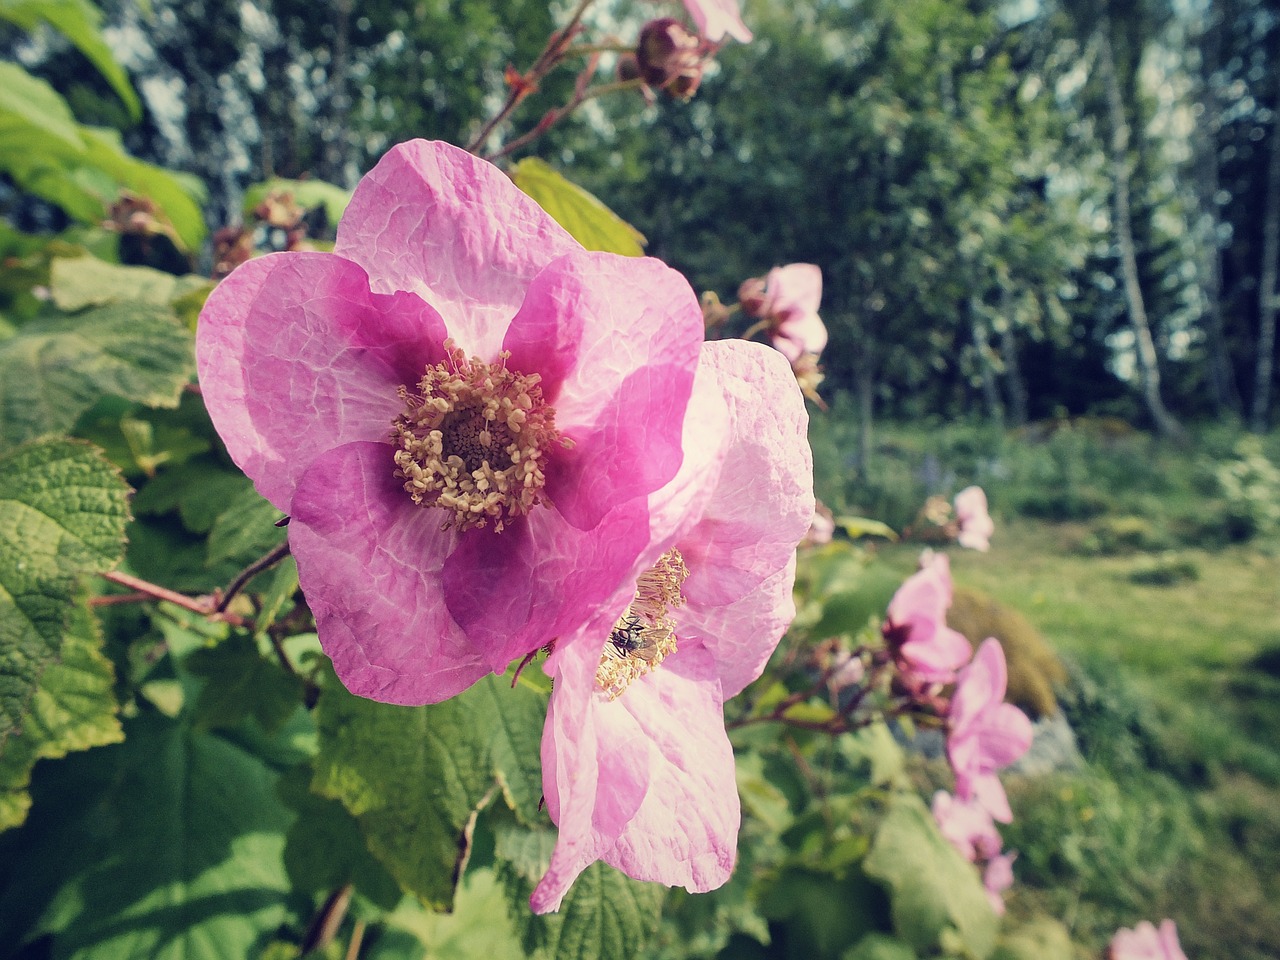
(645, 634)
(473, 440)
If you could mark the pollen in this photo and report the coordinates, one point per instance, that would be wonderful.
(645, 634)
(473, 440)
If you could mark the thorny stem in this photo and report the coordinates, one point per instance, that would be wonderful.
(556, 49)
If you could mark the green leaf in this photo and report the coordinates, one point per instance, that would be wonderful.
(79, 282)
(874, 747)
(857, 527)
(244, 530)
(308, 194)
(588, 220)
(83, 169)
(79, 22)
(876, 946)
(74, 708)
(325, 849)
(165, 847)
(936, 895)
(241, 683)
(1043, 938)
(606, 914)
(413, 775)
(63, 511)
(52, 371)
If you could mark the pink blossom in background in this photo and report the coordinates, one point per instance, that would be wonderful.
(984, 733)
(465, 414)
(926, 651)
(997, 877)
(791, 298)
(976, 525)
(715, 18)
(1146, 942)
(637, 768)
(967, 826)
(822, 527)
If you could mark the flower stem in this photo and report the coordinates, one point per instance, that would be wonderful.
(144, 590)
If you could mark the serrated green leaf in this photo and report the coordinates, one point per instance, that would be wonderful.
(307, 194)
(413, 775)
(167, 846)
(74, 708)
(54, 370)
(588, 220)
(198, 490)
(606, 914)
(79, 22)
(63, 511)
(936, 894)
(875, 747)
(240, 683)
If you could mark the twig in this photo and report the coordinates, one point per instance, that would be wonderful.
(551, 55)
(552, 117)
(205, 606)
(265, 562)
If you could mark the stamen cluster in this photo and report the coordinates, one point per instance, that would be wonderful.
(473, 440)
(645, 634)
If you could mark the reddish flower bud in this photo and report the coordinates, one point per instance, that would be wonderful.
(670, 57)
(751, 297)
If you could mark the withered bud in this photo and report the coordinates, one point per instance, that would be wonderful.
(670, 57)
(628, 67)
(132, 214)
(232, 246)
(279, 209)
(751, 297)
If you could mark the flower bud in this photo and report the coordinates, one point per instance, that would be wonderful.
(670, 57)
(751, 297)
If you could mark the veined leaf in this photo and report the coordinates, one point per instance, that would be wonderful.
(63, 512)
(51, 371)
(588, 220)
(413, 775)
(74, 708)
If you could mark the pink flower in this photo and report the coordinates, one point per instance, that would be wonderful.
(787, 299)
(637, 768)
(715, 18)
(997, 878)
(822, 527)
(967, 826)
(463, 412)
(927, 652)
(1145, 942)
(976, 526)
(985, 733)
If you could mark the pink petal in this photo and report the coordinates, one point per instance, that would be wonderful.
(799, 334)
(763, 503)
(369, 562)
(988, 791)
(644, 782)
(296, 356)
(514, 591)
(1005, 736)
(794, 289)
(616, 341)
(980, 685)
(436, 221)
(715, 18)
(936, 657)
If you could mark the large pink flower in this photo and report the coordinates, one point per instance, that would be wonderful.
(463, 412)
(926, 651)
(976, 525)
(1145, 942)
(637, 768)
(715, 18)
(985, 733)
